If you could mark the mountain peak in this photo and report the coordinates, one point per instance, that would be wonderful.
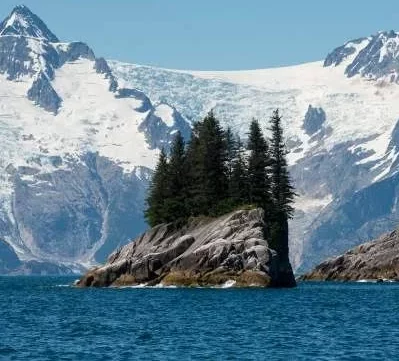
(22, 21)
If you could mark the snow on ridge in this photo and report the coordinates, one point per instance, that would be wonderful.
(90, 119)
(390, 47)
(355, 108)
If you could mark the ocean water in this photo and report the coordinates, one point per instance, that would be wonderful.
(44, 318)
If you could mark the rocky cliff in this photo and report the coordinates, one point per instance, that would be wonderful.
(376, 260)
(204, 252)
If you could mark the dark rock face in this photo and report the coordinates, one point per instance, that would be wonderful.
(338, 55)
(378, 59)
(73, 52)
(23, 22)
(368, 62)
(43, 94)
(363, 216)
(159, 134)
(314, 119)
(205, 252)
(102, 67)
(8, 64)
(146, 104)
(377, 260)
(82, 211)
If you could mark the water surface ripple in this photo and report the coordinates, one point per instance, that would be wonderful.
(41, 320)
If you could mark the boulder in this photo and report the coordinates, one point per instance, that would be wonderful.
(204, 252)
(376, 260)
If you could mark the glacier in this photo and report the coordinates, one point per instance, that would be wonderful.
(340, 119)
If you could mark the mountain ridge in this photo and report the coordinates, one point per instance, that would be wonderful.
(335, 119)
(77, 149)
(24, 22)
(81, 135)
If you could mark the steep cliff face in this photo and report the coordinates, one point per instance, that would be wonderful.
(376, 260)
(205, 252)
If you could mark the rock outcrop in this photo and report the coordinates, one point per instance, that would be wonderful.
(204, 252)
(376, 260)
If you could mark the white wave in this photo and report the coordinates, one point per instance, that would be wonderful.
(228, 284)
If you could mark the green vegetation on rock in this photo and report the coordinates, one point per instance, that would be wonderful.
(215, 174)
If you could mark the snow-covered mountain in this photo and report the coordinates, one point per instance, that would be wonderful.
(80, 136)
(76, 150)
(341, 120)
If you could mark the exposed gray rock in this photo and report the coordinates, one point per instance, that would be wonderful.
(349, 222)
(43, 94)
(146, 104)
(14, 57)
(203, 252)
(314, 119)
(23, 22)
(160, 135)
(377, 260)
(102, 67)
(338, 55)
(80, 211)
(73, 52)
(372, 63)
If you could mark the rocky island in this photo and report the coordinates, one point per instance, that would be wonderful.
(375, 260)
(204, 252)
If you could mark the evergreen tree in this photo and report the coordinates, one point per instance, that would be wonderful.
(238, 183)
(206, 158)
(282, 190)
(231, 151)
(258, 169)
(195, 196)
(283, 196)
(155, 213)
(174, 205)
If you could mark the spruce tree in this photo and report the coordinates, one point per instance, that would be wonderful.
(282, 190)
(155, 213)
(194, 166)
(283, 197)
(231, 151)
(238, 183)
(174, 205)
(206, 158)
(258, 169)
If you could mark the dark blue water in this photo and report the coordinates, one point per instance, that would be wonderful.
(41, 320)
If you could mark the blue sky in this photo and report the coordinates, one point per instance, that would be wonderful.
(213, 35)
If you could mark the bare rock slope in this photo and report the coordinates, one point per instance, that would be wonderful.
(204, 252)
(376, 260)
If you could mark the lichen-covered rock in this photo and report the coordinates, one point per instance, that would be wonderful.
(376, 260)
(205, 252)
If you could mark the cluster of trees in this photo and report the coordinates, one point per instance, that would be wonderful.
(216, 173)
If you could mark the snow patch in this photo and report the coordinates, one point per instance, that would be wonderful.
(165, 112)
